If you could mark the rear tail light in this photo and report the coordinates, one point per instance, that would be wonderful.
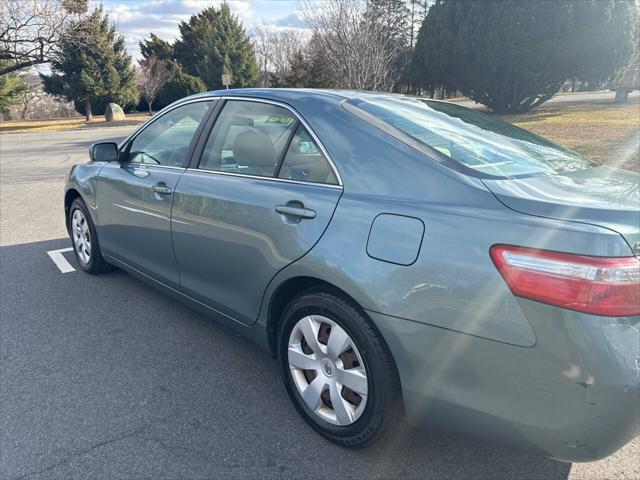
(602, 286)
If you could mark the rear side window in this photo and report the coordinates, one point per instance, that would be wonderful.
(473, 139)
(305, 161)
(249, 138)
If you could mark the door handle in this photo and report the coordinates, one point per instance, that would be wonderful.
(161, 189)
(300, 212)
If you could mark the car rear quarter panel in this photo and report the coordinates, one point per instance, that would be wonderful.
(453, 283)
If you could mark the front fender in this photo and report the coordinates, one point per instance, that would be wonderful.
(82, 181)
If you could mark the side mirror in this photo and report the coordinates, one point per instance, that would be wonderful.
(104, 152)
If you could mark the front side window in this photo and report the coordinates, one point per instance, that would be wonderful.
(305, 161)
(476, 140)
(166, 140)
(248, 138)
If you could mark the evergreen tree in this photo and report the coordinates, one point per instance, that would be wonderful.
(99, 71)
(156, 47)
(298, 76)
(11, 88)
(181, 85)
(207, 39)
(320, 71)
(512, 55)
(395, 15)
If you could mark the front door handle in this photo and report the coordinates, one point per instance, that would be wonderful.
(300, 212)
(161, 189)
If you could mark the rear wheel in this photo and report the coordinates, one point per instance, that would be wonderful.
(85, 240)
(337, 369)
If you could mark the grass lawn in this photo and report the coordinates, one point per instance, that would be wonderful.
(602, 131)
(58, 124)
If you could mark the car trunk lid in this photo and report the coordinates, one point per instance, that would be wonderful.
(600, 195)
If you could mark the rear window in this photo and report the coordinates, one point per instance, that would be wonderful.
(478, 141)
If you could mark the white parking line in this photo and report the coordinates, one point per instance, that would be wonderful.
(60, 261)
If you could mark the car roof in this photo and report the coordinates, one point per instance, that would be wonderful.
(292, 96)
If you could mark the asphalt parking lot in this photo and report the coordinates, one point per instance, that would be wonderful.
(104, 377)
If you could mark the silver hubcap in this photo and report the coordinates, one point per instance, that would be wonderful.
(327, 370)
(81, 236)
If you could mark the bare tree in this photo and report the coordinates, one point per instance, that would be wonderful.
(263, 47)
(26, 97)
(274, 49)
(31, 83)
(30, 30)
(285, 44)
(357, 44)
(152, 76)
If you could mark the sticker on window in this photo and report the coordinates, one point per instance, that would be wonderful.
(275, 119)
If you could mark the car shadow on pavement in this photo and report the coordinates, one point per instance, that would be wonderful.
(105, 377)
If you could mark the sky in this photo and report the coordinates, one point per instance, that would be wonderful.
(136, 19)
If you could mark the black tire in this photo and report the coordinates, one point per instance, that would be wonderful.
(96, 263)
(384, 402)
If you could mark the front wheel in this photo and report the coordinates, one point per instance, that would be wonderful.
(85, 240)
(337, 369)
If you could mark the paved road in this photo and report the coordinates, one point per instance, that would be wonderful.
(104, 377)
(32, 169)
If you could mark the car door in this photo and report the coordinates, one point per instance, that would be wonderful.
(134, 196)
(250, 206)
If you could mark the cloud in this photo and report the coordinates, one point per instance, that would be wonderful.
(136, 19)
(293, 20)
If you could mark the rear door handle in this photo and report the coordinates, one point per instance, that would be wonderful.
(161, 189)
(296, 211)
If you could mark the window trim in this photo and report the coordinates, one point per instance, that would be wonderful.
(287, 146)
(125, 146)
(199, 150)
(257, 177)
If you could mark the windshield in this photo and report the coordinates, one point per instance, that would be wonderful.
(474, 139)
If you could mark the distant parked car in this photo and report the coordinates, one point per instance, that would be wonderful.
(394, 253)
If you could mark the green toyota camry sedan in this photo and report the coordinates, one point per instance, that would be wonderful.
(399, 257)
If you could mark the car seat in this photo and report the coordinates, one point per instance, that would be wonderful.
(254, 154)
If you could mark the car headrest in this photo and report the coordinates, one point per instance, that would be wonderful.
(239, 121)
(254, 149)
